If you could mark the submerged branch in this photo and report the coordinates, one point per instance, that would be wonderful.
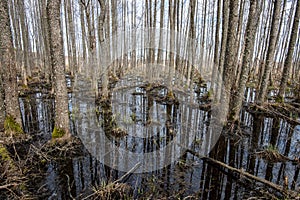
(284, 111)
(243, 173)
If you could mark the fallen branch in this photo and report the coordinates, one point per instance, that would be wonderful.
(135, 167)
(7, 186)
(243, 173)
(272, 110)
(116, 182)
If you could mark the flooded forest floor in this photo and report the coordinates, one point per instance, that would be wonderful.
(258, 160)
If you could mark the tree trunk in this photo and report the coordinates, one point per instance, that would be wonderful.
(45, 39)
(83, 34)
(62, 126)
(192, 34)
(216, 50)
(289, 58)
(172, 45)
(2, 105)
(24, 31)
(230, 54)
(9, 68)
(223, 45)
(237, 99)
(271, 52)
(161, 25)
(72, 56)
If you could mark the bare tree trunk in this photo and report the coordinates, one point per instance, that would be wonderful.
(216, 50)
(72, 54)
(66, 32)
(101, 21)
(225, 21)
(101, 39)
(24, 30)
(271, 52)
(237, 99)
(107, 54)
(203, 36)
(264, 43)
(2, 105)
(230, 54)
(45, 37)
(289, 58)
(192, 35)
(172, 45)
(9, 68)
(133, 55)
(83, 33)
(240, 38)
(160, 52)
(62, 126)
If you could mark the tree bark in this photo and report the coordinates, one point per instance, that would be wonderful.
(161, 26)
(289, 57)
(2, 105)
(72, 30)
(192, 35)
(83, 33)
(223, 45)
(237, 100)
(216, 50)
(8, 65)
(271, 51)
(58, 63)
(230, 54)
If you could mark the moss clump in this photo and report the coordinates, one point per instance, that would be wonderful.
(4, 154)
(10, 125)
(210, 94)
(279, 99)
(58, 133)
(170, 95)
(251, 85)
(272, 148)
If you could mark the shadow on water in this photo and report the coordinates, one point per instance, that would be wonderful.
(76, 176)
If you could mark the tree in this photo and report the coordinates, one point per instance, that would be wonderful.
(61, 127)
(237, 99)
(289, 57)
(161, 26)
(271, 51)
(216, 50)
(9, 74)
(230, 53)
(2, 105)
(225, 21)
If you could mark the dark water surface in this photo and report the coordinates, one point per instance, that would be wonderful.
(188, 176)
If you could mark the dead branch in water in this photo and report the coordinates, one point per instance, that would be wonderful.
(285, 192)
(283, 111)
(273, 156)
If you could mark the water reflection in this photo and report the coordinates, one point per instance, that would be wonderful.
(76, 176)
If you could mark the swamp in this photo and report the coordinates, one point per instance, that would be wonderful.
(155, 99)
